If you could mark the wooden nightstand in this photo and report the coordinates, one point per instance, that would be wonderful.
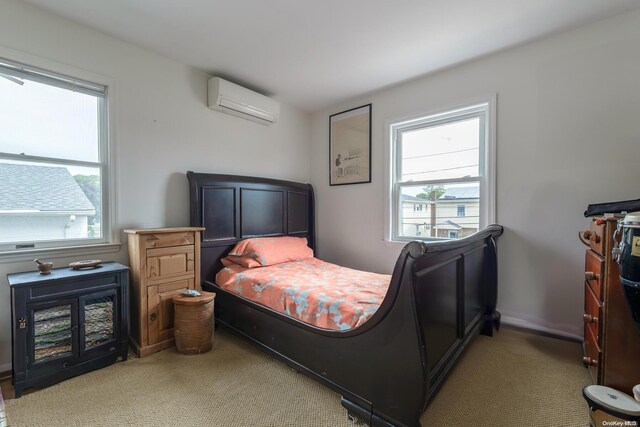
(164, 262)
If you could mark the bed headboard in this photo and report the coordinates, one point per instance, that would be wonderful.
(232, 208)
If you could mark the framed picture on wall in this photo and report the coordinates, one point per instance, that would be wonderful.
(350, 146)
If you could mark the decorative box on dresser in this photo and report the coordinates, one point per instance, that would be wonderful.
(164, 262)
(611, 339)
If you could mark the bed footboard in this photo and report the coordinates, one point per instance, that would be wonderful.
(454, 285)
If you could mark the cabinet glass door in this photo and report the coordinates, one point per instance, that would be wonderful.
(98, 316)
(52, 332)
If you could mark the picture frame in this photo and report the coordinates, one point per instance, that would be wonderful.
(350, 146)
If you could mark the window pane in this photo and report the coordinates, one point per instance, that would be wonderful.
(447, 151)
(43, 202)
(41, 120)
(439, 211)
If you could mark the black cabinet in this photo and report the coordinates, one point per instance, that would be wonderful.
(67, 323)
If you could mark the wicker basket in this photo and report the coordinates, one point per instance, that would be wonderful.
(193, 323)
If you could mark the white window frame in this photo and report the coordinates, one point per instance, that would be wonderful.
(86, 82)
(487, 167)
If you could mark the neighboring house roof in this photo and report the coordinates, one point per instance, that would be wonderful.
(452, 194)
(457, 193)
(407, 198)
(449, 225)
(41, 188)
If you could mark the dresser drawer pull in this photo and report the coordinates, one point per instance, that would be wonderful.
(590, 319)
(590, 275)
(589, 361)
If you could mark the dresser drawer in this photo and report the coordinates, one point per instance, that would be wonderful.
(596, 240)
(162, 240)
(165, 263)
(592, 312)
(592, 354)
(594, 266)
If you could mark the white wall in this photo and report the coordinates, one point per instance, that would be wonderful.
(568, 134)
(163, 128)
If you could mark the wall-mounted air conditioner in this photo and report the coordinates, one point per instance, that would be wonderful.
(233, 99)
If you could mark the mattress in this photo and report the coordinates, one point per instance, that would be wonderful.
(316, 292)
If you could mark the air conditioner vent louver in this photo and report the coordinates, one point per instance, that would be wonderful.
(233, 99)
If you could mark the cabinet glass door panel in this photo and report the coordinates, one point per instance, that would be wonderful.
(98, 321)
(98, 315)
(52, 332)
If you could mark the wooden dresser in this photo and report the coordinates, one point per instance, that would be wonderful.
(164, 262)
(611, 339)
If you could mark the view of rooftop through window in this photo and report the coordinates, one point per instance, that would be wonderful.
(438, 170)
(50, 162)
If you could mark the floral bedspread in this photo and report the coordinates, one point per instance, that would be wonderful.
(313, 291)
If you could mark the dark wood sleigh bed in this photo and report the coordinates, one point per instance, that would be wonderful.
(442, 294)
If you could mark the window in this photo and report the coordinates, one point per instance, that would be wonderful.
(54, 156)
(446, 160)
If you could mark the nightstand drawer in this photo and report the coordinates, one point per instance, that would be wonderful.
(169, 239)
(170, 262)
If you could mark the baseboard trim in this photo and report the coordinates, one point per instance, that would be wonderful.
(5, 371)
(526, 326)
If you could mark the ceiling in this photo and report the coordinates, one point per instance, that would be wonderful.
(312, 54)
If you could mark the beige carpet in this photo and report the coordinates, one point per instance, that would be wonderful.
(513, 379)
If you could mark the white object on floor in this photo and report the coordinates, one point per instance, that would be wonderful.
(612, 401)
(636, 392)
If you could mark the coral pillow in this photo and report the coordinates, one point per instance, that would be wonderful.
(269, 251)
(244, 261)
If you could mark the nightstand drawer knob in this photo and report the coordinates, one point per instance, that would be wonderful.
(590, 319)
(153, 317)
(589, 361)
